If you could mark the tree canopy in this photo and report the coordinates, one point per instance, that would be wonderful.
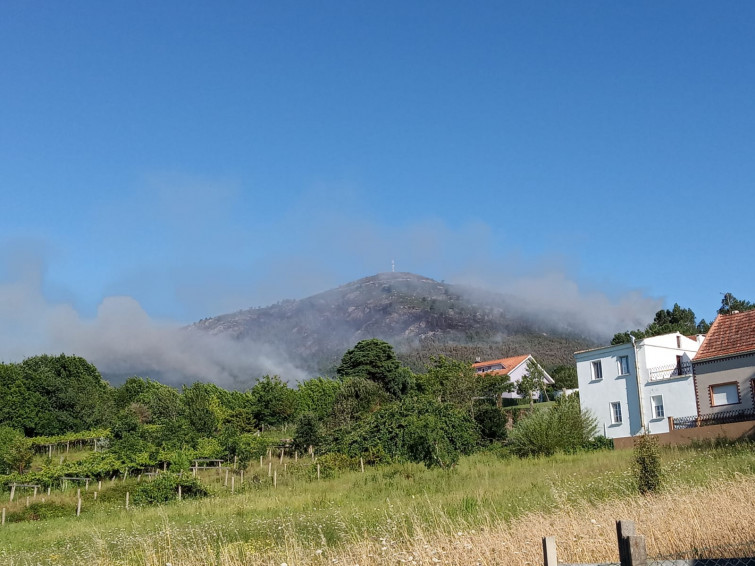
(666, 321)
(375, 360)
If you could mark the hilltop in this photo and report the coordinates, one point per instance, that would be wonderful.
(419, 316)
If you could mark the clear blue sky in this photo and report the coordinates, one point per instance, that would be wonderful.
(203, 157)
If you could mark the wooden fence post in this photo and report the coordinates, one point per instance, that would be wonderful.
(179, 492)
(549, 551)
(3, 520)
(127, 501)
(12, 492)
(361, 464)
(269, 469)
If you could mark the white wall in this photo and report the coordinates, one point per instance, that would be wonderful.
(597, 395)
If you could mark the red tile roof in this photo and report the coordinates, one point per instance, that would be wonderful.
(729, 335)
(507, 363)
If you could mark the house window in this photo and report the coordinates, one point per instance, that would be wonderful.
(616, 413)
(724, 394)
(623, 365)
(657, 403)
(597, 370)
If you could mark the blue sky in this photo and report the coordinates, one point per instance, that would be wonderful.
(202, 157)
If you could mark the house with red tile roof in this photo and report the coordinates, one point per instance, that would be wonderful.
(724, 366)
(515, 367)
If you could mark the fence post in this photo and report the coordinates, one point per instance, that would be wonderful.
(549, 551)
(632, 551)
(670, 424)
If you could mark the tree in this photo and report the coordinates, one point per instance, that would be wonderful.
(318, 396)
(375, 360)
(357, 397)
(666, 321)
(531, 382)
(308, 432)
(450, 381)
(730, 303)
(273, 401)
(565, 377)
(495, 386)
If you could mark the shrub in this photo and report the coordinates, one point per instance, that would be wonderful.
(562, 428)
(308, 432)
(164, 488)
(492, 422)
(415, 429)
(647, 464)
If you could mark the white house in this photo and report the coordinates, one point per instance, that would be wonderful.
(657, 370)
(515, 367)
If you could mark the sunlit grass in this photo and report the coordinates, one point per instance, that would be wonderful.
(349, 516)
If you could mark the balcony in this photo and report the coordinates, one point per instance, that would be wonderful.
(671, 371)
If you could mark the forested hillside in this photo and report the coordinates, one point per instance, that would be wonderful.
(420, 317)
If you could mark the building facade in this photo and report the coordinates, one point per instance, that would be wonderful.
(515, 367)
(633, 388)
(725, 365)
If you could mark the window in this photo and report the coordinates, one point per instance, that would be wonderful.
(724, 394)
(623, 365)
(657, 403)
(616, 413)
(597, 370)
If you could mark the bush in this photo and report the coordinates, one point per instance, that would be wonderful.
(647, 464)
(562, 428)
(164, 488)
(492, 422)
(415, 429)
(308, 432)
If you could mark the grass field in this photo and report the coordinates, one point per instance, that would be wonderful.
(487, 510)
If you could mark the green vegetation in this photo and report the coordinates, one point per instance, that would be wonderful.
(647, 464)
(344, 507)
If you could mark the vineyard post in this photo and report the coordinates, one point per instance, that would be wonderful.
(12, 492)
(179, 492)
(275, 478)
(233, 484)
(127, 501)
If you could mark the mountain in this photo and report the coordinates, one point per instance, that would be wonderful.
(419, 316)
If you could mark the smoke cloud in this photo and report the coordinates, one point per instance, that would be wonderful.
(210, 262)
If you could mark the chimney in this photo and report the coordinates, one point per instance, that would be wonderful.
(734, 312)
(477, 360)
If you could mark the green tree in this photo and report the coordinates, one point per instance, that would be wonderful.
(730, 303)
(199, 409)
(318, 396)
(308, 432)
(19, 454)
(375, 360)
(450, 381)
(531, 382)
(357, 397)
(495, 386)
(565, 377)
(666, 321)
(274, 403)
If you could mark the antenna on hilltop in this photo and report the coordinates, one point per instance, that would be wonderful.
(393, 266)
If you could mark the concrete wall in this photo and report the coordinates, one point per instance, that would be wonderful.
(737, 369)
(733, 431)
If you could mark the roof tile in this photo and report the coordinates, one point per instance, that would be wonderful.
(729, 335)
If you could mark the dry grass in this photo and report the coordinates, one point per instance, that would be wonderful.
(674, 522)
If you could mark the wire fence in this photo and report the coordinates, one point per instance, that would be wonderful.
(725, 555)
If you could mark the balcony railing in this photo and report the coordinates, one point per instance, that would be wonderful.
(672, 371)
(723, 417)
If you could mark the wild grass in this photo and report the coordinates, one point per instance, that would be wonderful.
(486, 511)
